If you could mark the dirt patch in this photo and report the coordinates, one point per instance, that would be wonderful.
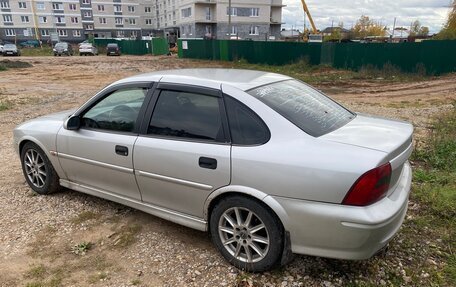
(128, 247)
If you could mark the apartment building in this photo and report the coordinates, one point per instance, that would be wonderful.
(244, 19)
(75, 20)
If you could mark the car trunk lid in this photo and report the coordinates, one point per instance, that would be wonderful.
(392, 137)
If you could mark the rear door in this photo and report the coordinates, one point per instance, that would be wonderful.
(99, 155)
(184, 153)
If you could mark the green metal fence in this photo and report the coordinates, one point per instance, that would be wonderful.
(431, 57)
(157, 46)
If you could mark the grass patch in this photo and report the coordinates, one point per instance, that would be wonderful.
(313, 74)
(81, 248)
(8, 64)
(36, 272)
(5, 105)
(85, 216)
(434, 189)
(126, 235)
(33, 52)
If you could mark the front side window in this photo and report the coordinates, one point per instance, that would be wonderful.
(187, 115)
(116, 112)
(307, 108)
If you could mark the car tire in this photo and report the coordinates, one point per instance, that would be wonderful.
(247, 233)
(38, 170)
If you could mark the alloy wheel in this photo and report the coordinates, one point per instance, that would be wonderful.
(244, 235)
(35, 168)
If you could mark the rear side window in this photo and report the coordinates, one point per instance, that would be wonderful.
(187, 115)
(245, 126)
(304, 106)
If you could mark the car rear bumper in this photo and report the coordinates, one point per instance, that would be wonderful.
(345, 232)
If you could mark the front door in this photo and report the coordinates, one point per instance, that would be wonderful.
(184, 155)
(99, 155)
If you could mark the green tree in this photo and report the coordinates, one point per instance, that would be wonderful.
(424, 31)
(417, 30)
(365, 27)
(449, 29)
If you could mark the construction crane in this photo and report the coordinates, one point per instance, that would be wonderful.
(315, 36)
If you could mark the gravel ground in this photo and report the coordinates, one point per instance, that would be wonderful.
(128, 247)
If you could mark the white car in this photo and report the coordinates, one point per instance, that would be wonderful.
(87, 49)
(265, 163)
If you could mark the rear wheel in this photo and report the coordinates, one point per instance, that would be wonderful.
(248, 234)
(38, 170)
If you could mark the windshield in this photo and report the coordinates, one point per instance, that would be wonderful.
(9, 46)
(61, 45)
(112, 45)
(304, 106)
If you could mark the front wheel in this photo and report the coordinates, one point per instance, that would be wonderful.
(38, 170)
(248, 234)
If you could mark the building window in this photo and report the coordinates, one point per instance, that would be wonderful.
(148, 21)
(87, 14)
(89, 27)
(254, 12)
(5, 5)
(62, 33)
(131, 9)
(44, 33)
(132, 21)
(134, 34)
(187, 12)
(234, 30)
(22, 5)
(40, 6)
(119, 21)
(74, 20)
(73, 7)
(233, 11)
(7, 18)
(57, 6)
(254, 30)
(10, 32)
(102, 20)
(120, 34)
(76, 33)
(100, 7)
(25, 19)
(42, 19)
(85, 1)
(59, 19)
(117, 8)
(147, 9)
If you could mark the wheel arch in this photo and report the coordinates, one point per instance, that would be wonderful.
(236, 190)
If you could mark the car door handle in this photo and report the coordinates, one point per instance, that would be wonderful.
(121, 150)
(207, 162)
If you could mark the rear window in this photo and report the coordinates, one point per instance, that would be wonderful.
(307, 108)
(112, 45)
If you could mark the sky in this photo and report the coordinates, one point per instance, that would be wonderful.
(431, 13)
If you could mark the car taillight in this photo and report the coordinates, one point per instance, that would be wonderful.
(370, 187)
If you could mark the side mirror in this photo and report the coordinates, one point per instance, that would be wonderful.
(72, 123)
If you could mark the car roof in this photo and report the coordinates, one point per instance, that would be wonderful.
(212, 78)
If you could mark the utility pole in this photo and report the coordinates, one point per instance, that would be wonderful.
(394, 28)
(229, 19)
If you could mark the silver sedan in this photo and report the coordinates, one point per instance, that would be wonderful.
(266, 164)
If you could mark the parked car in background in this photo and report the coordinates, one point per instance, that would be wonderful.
(264, 162)
(84, 42)
(87, 49)
(11, 50)
(1, 49)
(63, 48)
(112, 49)
(30, 44)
